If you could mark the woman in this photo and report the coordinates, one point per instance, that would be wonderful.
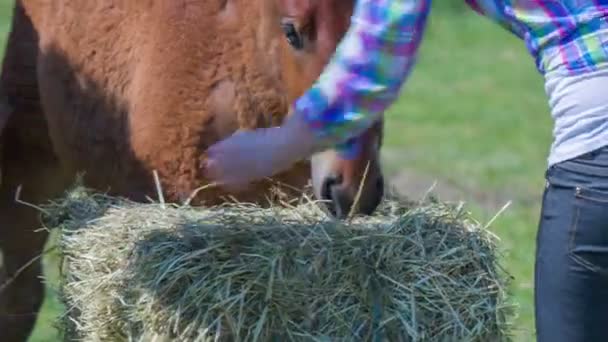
(569, 41)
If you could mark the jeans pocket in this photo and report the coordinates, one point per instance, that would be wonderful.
(588, 245)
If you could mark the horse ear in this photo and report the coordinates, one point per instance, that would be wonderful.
(295, 8)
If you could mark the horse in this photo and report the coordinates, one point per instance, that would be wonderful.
(132, 93)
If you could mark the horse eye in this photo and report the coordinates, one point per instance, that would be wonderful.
(293, 37)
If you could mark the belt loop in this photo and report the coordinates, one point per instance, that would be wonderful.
(548, 175)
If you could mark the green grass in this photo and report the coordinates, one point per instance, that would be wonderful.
(474, 114)
(45, 330)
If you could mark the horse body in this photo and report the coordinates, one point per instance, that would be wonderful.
(120, 89)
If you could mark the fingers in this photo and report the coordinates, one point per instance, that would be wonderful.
(243, 158)
(211, 169)
(226, 172)
(232, 183)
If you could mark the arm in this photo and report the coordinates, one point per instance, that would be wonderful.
(365, 75)
(362, 79)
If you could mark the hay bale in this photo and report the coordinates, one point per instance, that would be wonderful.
(239, 272)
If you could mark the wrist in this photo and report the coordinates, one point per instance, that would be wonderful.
(300, 135)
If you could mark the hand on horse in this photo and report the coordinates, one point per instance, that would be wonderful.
(247, 156)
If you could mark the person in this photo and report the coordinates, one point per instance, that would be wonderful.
(569, 41)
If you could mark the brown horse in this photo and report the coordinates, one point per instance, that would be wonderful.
(120, 89)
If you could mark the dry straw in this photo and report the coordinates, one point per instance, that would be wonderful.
(238, 272)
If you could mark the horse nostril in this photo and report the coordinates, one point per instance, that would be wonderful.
(328, 193)
(328, 185)
(340, 197)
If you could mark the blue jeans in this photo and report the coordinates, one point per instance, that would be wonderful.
(571, 272)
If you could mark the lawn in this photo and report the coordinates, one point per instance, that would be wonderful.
(473, 115)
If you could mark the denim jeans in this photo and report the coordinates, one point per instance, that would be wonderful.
(571, 272)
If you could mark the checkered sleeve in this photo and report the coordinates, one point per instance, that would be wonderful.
(366, 72)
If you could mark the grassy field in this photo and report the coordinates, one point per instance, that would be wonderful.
(472, 115)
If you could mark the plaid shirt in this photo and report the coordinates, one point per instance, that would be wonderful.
(376, 55)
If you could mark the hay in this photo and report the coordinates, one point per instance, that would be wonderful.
(242, 273)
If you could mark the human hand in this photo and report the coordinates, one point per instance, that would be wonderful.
(247, 156)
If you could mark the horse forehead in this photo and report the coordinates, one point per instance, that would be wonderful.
(295, 8)
(338, 13)
(325, 10)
